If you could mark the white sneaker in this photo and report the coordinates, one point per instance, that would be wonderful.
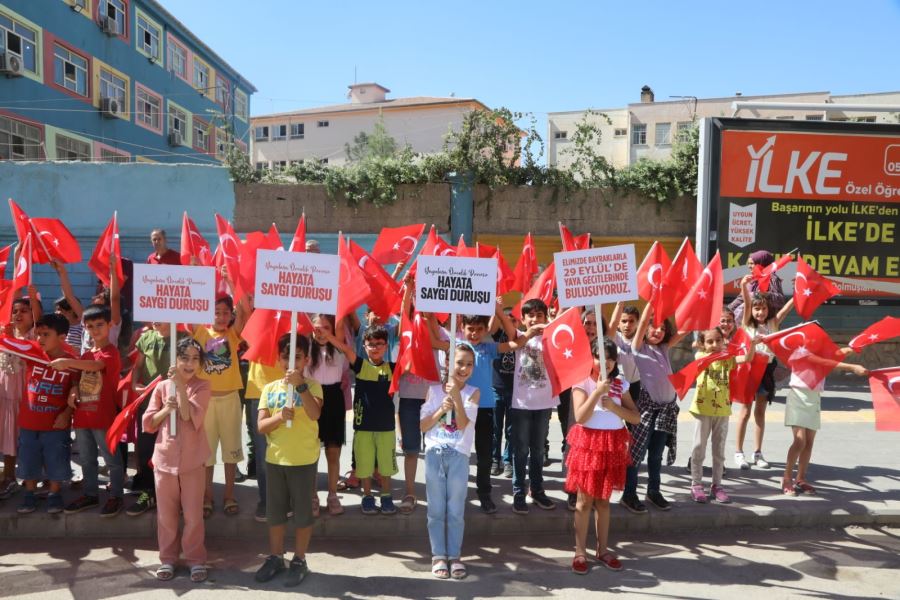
(740, 462)
(759, 461)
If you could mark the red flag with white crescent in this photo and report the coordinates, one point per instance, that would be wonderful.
(885, 386)
(567, 351)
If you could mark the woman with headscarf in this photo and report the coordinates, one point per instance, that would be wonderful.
(763, 258)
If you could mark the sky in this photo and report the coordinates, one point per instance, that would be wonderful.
(540, 57)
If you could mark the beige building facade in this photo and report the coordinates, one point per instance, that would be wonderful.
(321, 133)
(648, 129)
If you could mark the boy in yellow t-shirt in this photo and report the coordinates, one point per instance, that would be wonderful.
(292, 455)
(223, 418)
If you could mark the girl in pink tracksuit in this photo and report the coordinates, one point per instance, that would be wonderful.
(179, 461)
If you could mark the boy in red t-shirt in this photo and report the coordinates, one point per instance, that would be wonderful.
(95, 408)
(45, 418)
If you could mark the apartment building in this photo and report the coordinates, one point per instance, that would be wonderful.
(649, 128)
(114, 80)
(321, 133)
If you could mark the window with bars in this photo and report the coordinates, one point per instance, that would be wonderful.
(178, 59)
(107, 155)
(149, 36)
(68, 148)
(178, 121)
(115, 11)
(112, 86)
(148, 108)
(662, 135)
(70, 70)
(19, 40)
(201, 136)
(222, 89)
(19, 141)
(201, 76)
(240, 104)
(639, 135)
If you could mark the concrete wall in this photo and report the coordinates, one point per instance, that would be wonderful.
(84, 196)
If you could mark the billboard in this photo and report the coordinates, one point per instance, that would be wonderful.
(831, 190)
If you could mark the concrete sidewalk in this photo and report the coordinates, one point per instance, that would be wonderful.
(855, 470)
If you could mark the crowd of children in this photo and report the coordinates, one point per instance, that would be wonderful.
(494, 394)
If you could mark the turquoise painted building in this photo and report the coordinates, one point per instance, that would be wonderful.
(114, 81)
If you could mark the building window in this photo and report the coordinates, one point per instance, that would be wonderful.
(178, 59)
(149, 36)
(114, 10)
(19, 40)
(240, 105)
(71, 149)
(279, 165)
(262, 133)
(870, 119)
(112, 156)
(201, 76)
(201, 136)
(785, 118)
(560, 135)
(222, 89)
(322, 124)
(815, 117)
(19, 141)
(297, 131)
(262, 166)
(112, 86)
(620, 132)
(70, 70)
(683, 132)
(663, 134)
(639, 135)
(178, 121)
(221, 144)
(279, 133)
(148, 108)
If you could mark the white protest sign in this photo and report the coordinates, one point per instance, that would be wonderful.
(596, 276)
(297, 281)
(456, 285)
(174, 294)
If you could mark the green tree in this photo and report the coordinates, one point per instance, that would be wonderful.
(378, 144)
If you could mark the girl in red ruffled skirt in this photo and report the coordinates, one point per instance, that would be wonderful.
(598, 453)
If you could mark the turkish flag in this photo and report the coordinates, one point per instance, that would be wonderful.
(107, 247)
(53, 240)
(228, 254)
(193, 244)
(27, 349)
(807, 350)
(463, 250)
(7, 295)
(4, 258)
(505, 276)
(571, 242)
(744, 379)
(684, 379)
(811, 290)
(433, 246)
(384, 299)
(885, 329)
(416, 355)
(526, 267)
(20, 220)
(763, 275)
(701, 308)
(567, 351)
(298, 243)
(263, 330)
(124, 419)
(22, 272)
(397, 244)
(353, 288)
(650, 274)
(680, 276)
(885, 386)
(273, 239)
(543, 289)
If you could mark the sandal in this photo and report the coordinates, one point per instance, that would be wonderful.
(439, 568)
(609, 560)
(231, 507)
(208, 508)
(165, 572)
(801, 487)
(788, 489)
(334, 506)
(198, 573)
(349, 482)
(408, 504)
(457, 569)
(580, 564)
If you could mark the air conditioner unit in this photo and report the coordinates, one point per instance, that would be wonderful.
(10, 64)
(175, 138)
(110, 107)
(109, 26)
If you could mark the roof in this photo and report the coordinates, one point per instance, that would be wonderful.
(378, 85)
(392, 103)
(187, 33)
(729, 98)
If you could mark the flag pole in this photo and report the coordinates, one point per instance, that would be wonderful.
(173, 342)
(292, 361)
(601, 353)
